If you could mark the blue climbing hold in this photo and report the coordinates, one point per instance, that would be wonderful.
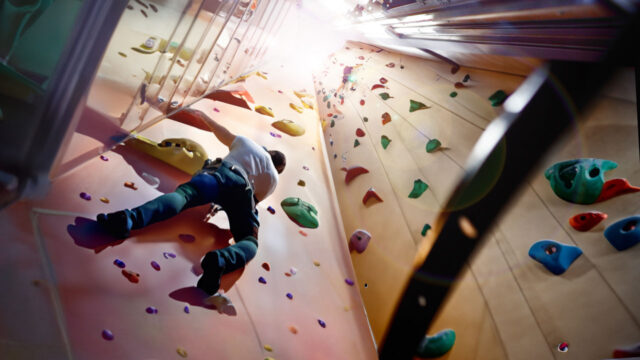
(554, 256)
(624, 233)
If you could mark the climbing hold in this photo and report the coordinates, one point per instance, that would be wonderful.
(293, 329)
(85, 196)
(107, 335)
(262, 280)
(383, 80)
(305, 167)
(563, 347)
(333, 123)
(359, 240)
(290, 296)
(316, 263)
(151, 180)
(300, 212)
(307, 104)
(104, 158)
(296, 108)
(353, 172)
(131, 276)
(216, 109)
(425, 228)
(385, 141)
(627, 352)
(130, 185)
(433, 145)
(325, 98)
(356, 143)
(144, 13)
(188, 238)
(275, 135)
(335, 156)
(466, 78)
(554, 256)
(459, 85)
(119, 263)
(122, 54)
(360, 132)
(385, 96)
(586, 221)
(293, 270)
(268, 348)
(365, 119)
(328, 104)
(390, 65)
(615, 187)
(266, 266)
(151, 310)
(263, 110)
(402, 67)
(497, 98)
(182, 352)
(322, 323)
(362, 102)
(436, 345)
(377, 86)
(624, 233)
(453, 94)
(155, 265)
(287, 274)
(288, 127)
(386, 118)
(361, 57)
(417, 105)
(371, 194)
(300, 95)
(349, 281)
(301, 183)
(186, 309)
(271, 209)
(169, 255)
(419, 187)
(261, 74)
(302, 233)
(580, 180)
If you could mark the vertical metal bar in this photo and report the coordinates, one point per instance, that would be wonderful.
(215, 69)
(268, 27)
(278, 27)
(259, 30)
(264, 33)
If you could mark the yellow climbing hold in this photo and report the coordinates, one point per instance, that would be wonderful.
(306, 104)
(268, 348)
(104, 200)
(300, 95)
(261, 75)
(288, 127)
(182, 352)
(316, 262)
(295, 107)
(264, 110)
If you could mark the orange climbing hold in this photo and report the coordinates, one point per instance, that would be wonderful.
(130, 185)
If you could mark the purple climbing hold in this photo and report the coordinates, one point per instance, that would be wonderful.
(151, 310)
(349, 281)
(322, 323)
(155, 265)
(262, 280)
(186, 309)
(271, 209)
(306, 167)
(119, 263)
(169, 255)
(107, 335)
(104, 158)
(216, 109)
(85, 196)
(290, 296)
(275, 135)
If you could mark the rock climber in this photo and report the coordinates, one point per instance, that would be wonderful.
(246, 176)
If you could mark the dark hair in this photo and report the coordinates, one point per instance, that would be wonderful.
(278, 159)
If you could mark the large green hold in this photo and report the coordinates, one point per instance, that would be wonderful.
(437, 345)
(419, 187)
(497, 98)
(579, 181)
(416, 105)
(385, 141)
(433, 145)
(300, 212)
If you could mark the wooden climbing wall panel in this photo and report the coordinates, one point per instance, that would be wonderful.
(506, 305)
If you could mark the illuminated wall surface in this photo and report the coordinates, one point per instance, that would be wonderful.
(306, 295)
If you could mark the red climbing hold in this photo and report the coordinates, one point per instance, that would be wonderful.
(615, 187)
(383, 80)
(390, 65)
(266, 266)
(459, 85)
(353, 172)
(586, 221)
(371, 193)
(131, 276)
(359, 132)
(362, 102)
(386, 118)
(377, 86)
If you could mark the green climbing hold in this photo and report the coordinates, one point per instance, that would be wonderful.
(365, 119)
(356, 143)
(333, 123)
(433, 145)
(425, 228)
(419, 187)
(385, 141)
(579, 181)
(497, 98)
(300, 212)
(416, 105)
(454, 94)
(437, 345)
(385, 95)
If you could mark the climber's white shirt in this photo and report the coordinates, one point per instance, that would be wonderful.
(256, 161)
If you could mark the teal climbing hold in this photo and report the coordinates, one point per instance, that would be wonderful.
(300, 212)
(325, 98)
(437, 345)
(497, 98)
(419, 187)
(385, 96)
(356, 143)
(453, 94)
(385, 141)
(554, 256)
(425, 228)
(416, 105)
(579, 181)
(433, 145)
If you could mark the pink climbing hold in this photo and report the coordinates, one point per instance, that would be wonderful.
(383, 80)
(280, 91)
(216, 109)
(362, 102)
(155, 265)
(188, 238)
(359, 132)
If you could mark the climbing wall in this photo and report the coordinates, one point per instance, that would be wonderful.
(411, 123)
(294, 300)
